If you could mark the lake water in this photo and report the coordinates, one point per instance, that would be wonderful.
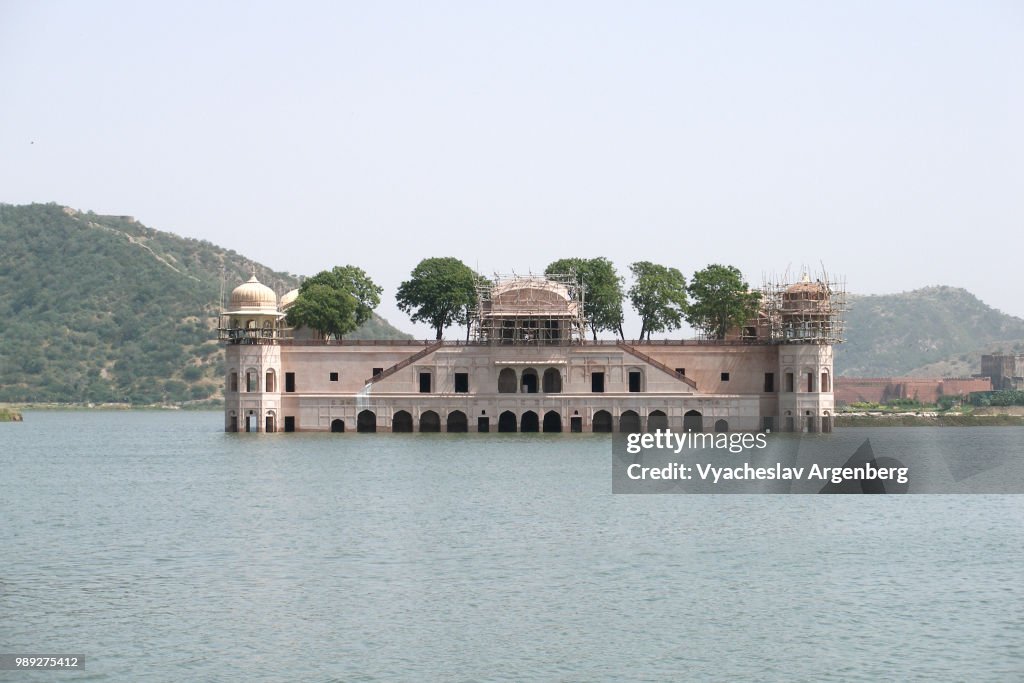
(165, 550)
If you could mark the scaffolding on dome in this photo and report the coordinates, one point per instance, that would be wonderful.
(529, 309)
(807, 311)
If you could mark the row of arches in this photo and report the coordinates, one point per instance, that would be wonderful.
(551, 422)
(529, 381)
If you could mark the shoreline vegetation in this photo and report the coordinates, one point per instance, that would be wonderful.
(9, 415)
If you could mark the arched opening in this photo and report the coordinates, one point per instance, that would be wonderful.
(529, 381)
(629, 421)
(529, 422)
(693, 421)
(507, 421)
(657, 419)
(552, 421)
(602, 422)
(268, 423)
(430, 421)
(507, 381)
(270, 383)
(338, 426)
(252, 422)
(826, 422)
(811, 424)
(790, 424)
(552, 381)
(252, 380)
(401, 422)
(825, 384)
(366, 421)
(457, 422)
(721, 426)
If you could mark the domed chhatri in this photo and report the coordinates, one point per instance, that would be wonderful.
(253, 295)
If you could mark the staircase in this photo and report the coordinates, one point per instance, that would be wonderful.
(405, 363)
(658, 364)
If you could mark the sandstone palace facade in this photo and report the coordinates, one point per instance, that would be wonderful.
(528, 367)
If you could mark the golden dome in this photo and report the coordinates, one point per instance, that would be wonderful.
(253, 294)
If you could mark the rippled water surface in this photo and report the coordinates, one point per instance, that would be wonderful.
(163, 549)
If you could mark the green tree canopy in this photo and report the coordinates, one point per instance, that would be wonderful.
(659, 296)
(720, 300)
(325, 309)
(353, 281)
(440, 291)
(335, 302)
(602, 302)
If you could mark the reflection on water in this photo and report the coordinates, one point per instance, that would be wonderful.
(163, 549)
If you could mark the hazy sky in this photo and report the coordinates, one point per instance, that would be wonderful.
(881, 138)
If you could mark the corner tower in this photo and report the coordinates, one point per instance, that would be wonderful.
(251, 330)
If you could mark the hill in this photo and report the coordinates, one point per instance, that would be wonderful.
(935, 331)
(102, 308)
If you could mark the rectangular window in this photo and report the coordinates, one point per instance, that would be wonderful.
(378, 371)
(789, 383)
(461, 382)
(810, 382)
(334, 377)
(597, 382)
(769, 382)
(483, 424)
(289, 423)
(681, 371)
(250, 381)
(634, 381)
(725, 376)
(289, 382)
(424, 382)
(234, 381)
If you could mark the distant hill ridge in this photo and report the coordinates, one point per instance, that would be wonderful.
(934, 331)
(102, 308)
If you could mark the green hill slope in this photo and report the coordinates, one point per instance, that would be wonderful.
(101, 308)
(944, 328)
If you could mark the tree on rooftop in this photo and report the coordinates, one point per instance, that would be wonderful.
(659, 296)
(602, 300)
(335, 302)
(440, 291)
(720, 300)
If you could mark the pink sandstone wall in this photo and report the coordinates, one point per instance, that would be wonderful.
(882, 389)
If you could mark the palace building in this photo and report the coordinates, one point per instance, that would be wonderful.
(528, 367)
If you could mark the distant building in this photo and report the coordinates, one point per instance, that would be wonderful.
(1005, 369)
(529, 367)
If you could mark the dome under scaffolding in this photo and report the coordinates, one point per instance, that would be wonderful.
(809, 311)
(529, 309)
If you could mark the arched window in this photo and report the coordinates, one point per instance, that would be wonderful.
(401, 421)
(657, 419)
(337, 426)
(693, 421)
(629, 421)
(529, 422)
(507, 381)
(430, 421)
(552, 381)
(507, 421)
(721, 426)
(252, 380)
(529, 381)
(825, 384)
(366, 421)
(552, 421)
(457, 422)
(602, 422)
(271, 384)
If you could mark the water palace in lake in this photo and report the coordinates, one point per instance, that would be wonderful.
(528, 367)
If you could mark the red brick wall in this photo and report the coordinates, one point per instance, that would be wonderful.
(882, 389)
